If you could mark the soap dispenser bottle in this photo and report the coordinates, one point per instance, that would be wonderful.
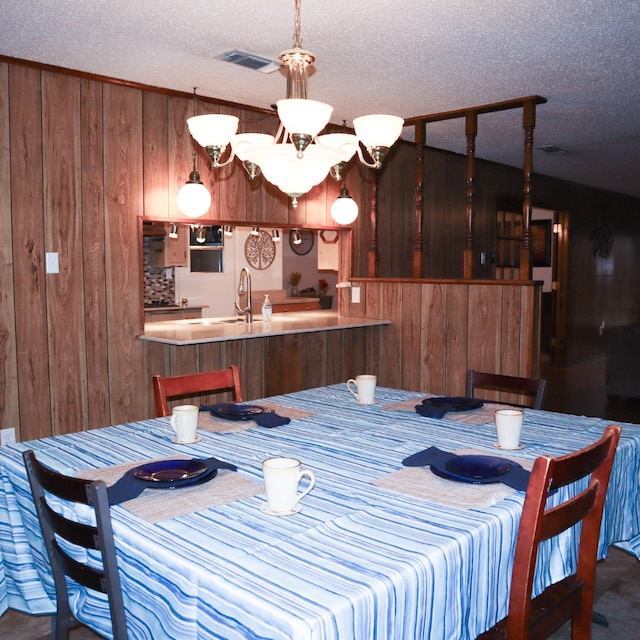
(266, 309)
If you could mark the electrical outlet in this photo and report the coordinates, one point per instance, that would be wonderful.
(7, 436)
(355, 295)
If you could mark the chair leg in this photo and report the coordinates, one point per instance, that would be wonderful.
(61, 625)
(599, 619)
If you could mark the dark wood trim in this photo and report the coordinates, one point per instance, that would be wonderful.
(505, 105)
(127, 83)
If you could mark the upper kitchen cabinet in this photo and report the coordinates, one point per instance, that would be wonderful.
(168, 244)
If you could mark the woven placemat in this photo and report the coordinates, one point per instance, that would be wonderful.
(155, 505)
(421, 483)
(208, 422)
(482, 415)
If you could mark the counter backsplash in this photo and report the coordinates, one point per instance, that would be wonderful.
(158, 288)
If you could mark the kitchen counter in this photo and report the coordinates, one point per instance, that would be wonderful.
(204, 330)
(161, 313)
(158, 308)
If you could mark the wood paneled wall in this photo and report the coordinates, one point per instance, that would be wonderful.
(443, 327)
(598, 290)
(81, 158)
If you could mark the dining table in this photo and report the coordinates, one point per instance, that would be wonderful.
(382, 548)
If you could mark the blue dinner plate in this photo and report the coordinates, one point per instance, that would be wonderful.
(233, 411)
(454, 403)
(474, 469)
(170, 470)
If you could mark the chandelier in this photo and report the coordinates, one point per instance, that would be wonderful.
(193, 198)
(297, 158)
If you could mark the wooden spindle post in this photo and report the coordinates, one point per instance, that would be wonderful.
(471, 132)
(528, 123)
(421, 132)
(373, 228)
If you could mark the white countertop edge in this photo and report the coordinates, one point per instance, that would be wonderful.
(187, 332)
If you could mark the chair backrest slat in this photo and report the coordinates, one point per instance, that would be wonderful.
(196, 384)
(532, 388)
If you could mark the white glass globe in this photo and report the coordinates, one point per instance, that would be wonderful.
(344, 210)
(193, 199)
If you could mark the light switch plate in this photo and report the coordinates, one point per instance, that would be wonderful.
(355, 295)
(51, 263)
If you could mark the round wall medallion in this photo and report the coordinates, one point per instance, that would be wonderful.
(260, 251)
(306, 242)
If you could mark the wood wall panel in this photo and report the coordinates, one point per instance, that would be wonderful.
(9, 413)
(388, 305)
(486, 302)
(156, 363)
(94, 255)
(155, 142)
(315, 364)
(63, 235)
(433, 322)
(27, 204)
(459, 315)
(460, 326)
(510, 337)
(123, 199)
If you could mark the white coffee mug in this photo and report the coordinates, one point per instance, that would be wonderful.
(509, 427)
(184, 420)
(281, 479)
(366, 388)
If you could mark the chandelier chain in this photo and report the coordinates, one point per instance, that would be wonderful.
(297, 40)
(194, 149)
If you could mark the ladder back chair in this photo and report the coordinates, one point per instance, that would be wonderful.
(532, 387)
(196, 384)
(572, 597)
(98, 538)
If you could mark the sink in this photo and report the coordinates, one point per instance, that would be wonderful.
(208, 321)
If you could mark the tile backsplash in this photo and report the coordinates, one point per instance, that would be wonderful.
(159, 282)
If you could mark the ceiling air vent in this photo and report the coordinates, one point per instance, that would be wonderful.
(552, 149)
(249, 60)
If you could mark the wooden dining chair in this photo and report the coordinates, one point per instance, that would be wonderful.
(572, 597)
(532, 387)
(55, 526)
(196, 384)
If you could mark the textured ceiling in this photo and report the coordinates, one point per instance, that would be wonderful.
(374, 56)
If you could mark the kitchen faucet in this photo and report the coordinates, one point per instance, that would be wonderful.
(244, 287)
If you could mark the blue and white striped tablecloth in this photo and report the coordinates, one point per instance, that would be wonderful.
(358, 561)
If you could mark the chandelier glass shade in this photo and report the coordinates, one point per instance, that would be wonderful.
(344, 209)
(193, 198)
(297, 158)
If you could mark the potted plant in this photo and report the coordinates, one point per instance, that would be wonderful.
(294, 281)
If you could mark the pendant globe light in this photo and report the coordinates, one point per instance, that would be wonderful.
(344, 209)
(194, 198)
(297, 158)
